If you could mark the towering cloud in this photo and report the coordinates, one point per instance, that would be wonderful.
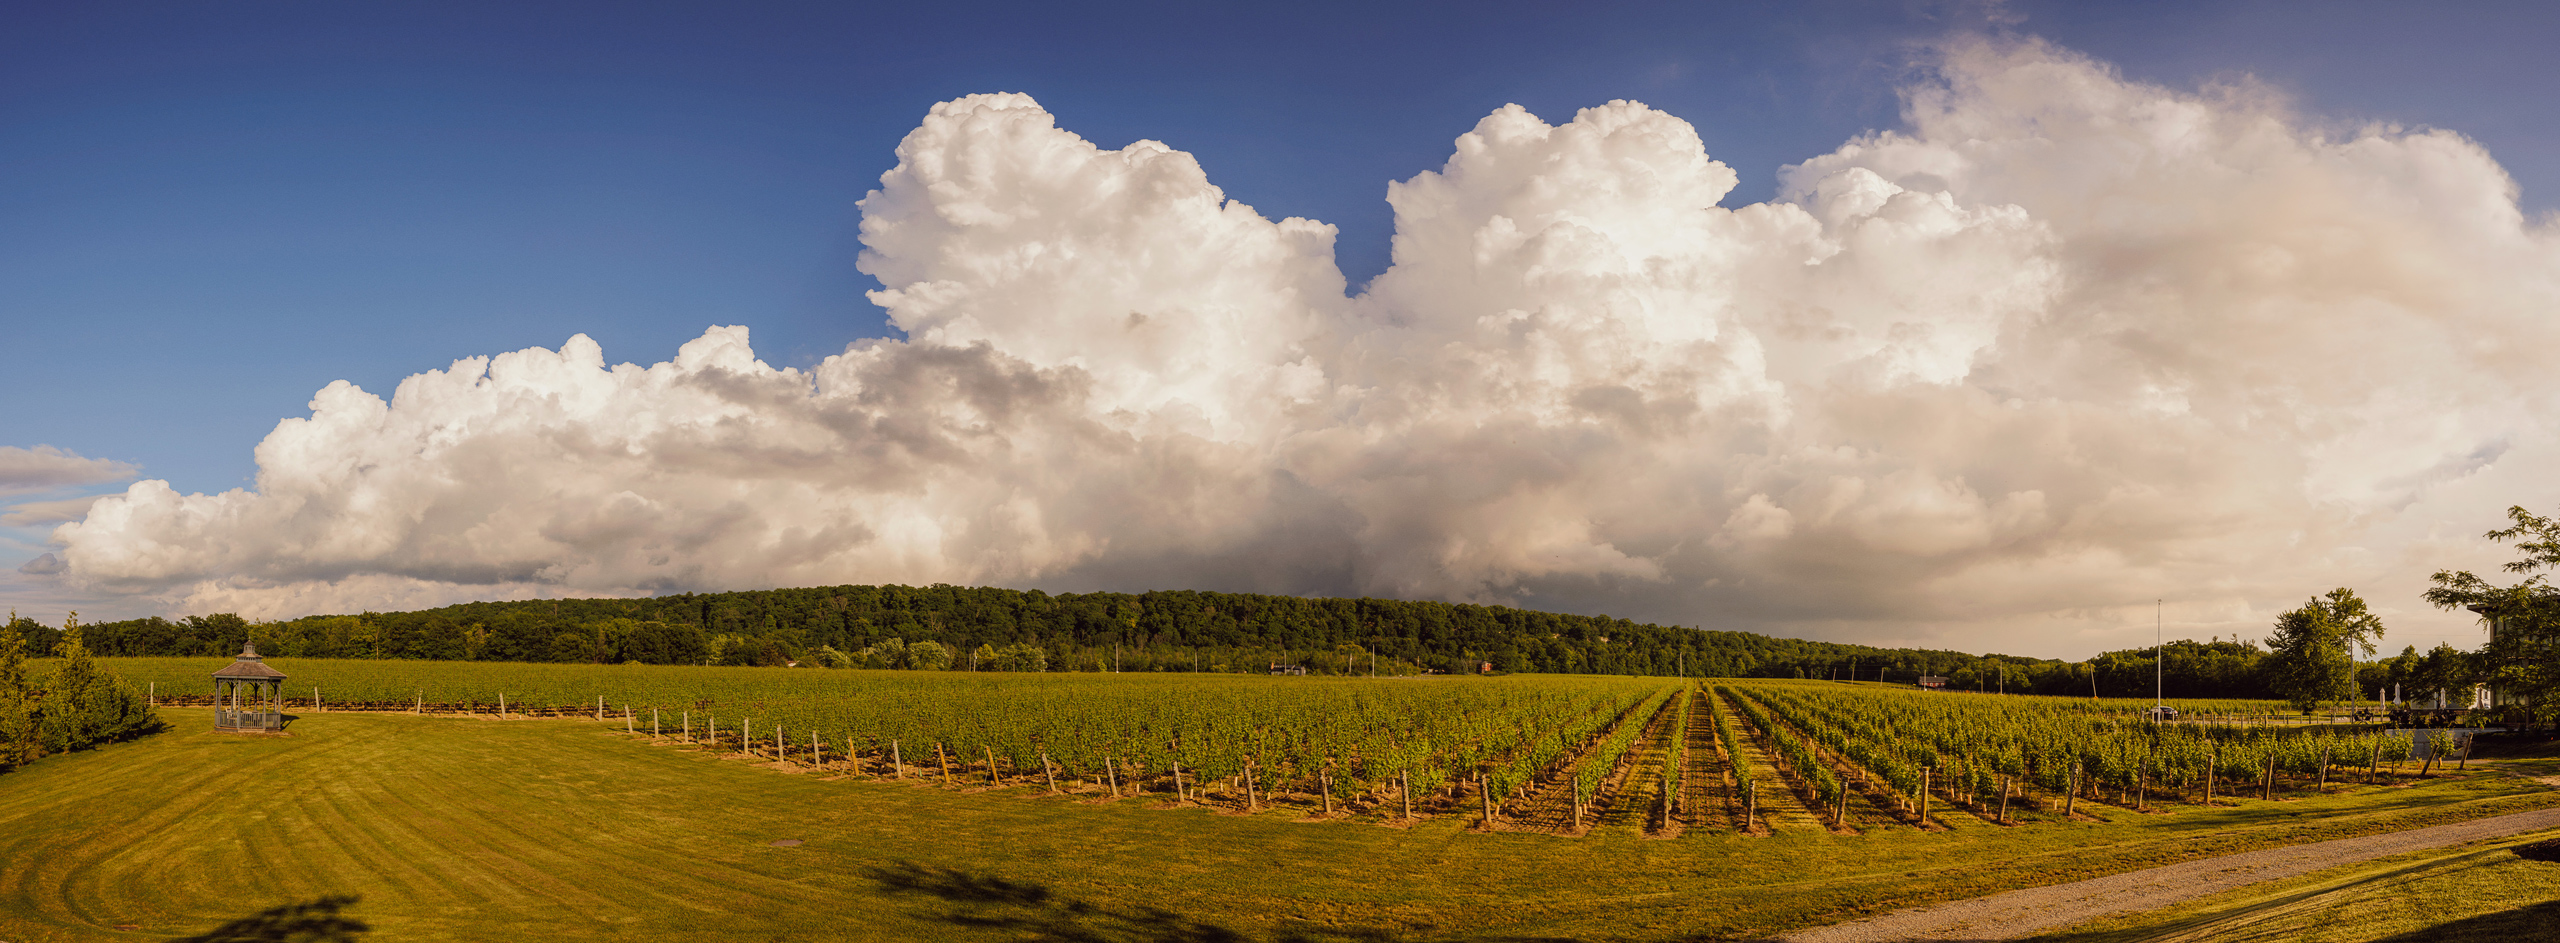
(2064, 342)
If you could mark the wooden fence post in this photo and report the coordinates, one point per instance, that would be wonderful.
(1324, 782)
(897, 764)
(2070, 790)
(1487, 795)
(653, 723)
(2324, 766)
(628, 724)
(502, 705)
(991, 765)
(2006, 783)
(599, 707)
(1111, 769)
(1178, 794)
(945, 760)
(1047, 773)
(2267, 786)
(1750, 806)
(1404, 787)
(1924, 794)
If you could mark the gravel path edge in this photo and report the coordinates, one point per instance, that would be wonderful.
(2017, 914)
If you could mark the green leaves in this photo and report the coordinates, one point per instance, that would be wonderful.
(78, 706)
(2311, 654)
(2522, 656)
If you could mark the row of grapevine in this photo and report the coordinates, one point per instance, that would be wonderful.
(1675, 758)
(1799, 759)
(1597, 764)
(1730, 744)
(1975, 743)
(1546, 747)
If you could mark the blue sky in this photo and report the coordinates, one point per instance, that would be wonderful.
(209, 211)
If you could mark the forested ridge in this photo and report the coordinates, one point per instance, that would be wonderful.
(1180, 630)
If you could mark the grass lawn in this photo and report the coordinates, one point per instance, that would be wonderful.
(2481, 892)
(448, 828)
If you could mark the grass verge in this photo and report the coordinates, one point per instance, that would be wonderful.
(2480, 891)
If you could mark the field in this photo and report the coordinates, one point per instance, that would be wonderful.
(1547, 753)
(1632, 826)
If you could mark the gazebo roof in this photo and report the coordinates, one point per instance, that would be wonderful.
(249, 667)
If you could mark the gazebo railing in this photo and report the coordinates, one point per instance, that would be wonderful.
(261, 720)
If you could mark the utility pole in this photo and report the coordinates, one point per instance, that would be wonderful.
(2159, 657)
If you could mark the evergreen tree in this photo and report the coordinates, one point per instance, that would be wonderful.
(18, 743)
(83, 706)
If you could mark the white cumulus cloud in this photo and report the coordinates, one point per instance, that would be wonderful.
(2062, 344)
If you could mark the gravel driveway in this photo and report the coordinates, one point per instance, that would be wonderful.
(2018, 914)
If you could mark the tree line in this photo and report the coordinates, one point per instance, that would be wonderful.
(2312, 655)
(984, 628)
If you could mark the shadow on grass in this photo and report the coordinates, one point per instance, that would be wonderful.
(2506, 926)
(315, 922)
(2523, 923)
(1022, 910)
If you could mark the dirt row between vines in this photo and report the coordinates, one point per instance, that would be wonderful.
(1547, 805)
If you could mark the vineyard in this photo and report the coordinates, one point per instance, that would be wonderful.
(1554, 754)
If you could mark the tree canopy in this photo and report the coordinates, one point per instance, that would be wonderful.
(2522, 656)
(2312, 653)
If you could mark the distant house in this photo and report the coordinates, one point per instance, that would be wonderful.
(1933, 682)
(1484, 668)
(1281, 669)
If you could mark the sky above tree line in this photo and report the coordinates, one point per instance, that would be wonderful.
(1958, 325)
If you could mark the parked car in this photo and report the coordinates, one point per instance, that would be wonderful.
(2164, 712)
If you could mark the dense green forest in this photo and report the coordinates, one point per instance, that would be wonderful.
(981, 628)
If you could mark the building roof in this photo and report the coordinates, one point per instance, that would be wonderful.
(249, 667)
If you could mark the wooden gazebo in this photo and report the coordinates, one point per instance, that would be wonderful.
(247, 694)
